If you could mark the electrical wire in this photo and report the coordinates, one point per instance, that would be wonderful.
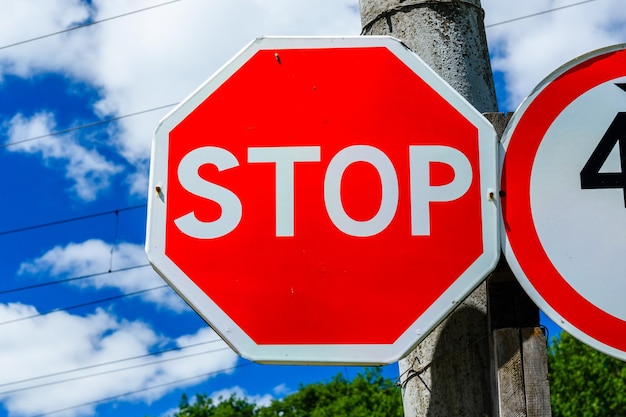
(111, 371)
(162, 385)
(86, 304)
(72, 219)
(65, 280)
(538, 14)
(175, 1)
(84, 25)
(113, 362)
(85, 126)
(115, 238)
(113, 119)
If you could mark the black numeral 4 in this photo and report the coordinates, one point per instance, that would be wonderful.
(590, 176)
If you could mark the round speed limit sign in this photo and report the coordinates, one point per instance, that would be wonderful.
(563, 189)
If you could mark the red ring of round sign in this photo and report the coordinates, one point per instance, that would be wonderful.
(563, 238)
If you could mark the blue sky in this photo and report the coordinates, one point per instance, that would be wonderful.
(133, 69)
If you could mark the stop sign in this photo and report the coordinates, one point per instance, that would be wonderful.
(323, 200)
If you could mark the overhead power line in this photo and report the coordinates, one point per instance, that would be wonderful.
(174, 1)
(85, 126)
(65, 280)
(538, 13)
(88, 303)
(156, 386)
(97, 365)
(84, 25)
(113, 119)
(72, 219)
(111, 371)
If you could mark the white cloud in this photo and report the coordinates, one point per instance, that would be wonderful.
(156, 57)
(224, 394)
(281, 390)
(97, 257)
(219, 396)
(172, 50)
(23, 20)
(74, 347)
(89, 171)
(528, 50)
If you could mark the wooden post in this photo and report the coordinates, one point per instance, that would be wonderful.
(519, 364)
(520, 384)
(462, 367)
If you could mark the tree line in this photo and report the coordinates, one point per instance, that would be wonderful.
(583, 383)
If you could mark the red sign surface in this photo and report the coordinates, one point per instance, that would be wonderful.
(324, 201)
(563, 215)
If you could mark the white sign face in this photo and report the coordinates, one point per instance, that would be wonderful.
(564, 210)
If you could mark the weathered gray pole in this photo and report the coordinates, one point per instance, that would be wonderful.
(462, 368)
(449, 35)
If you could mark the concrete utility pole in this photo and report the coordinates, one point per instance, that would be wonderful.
(449, 35)
(480, 361)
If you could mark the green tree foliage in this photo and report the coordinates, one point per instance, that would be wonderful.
(204, 406)
(369, 394)
(585, 382)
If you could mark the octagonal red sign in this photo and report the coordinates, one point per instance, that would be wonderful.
(323, 200)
